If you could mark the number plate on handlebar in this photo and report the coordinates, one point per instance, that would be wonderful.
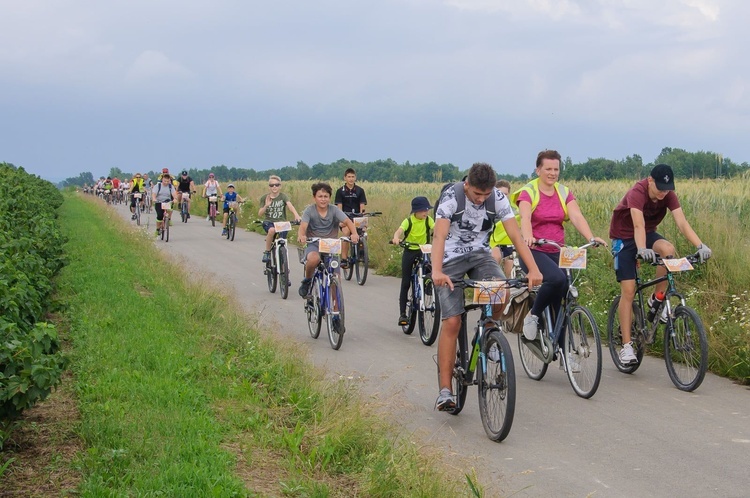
(360, 222)
(425, 248)
(136, 196)
(330, 246)
(675, 265)
(185, 195)
(212, 198)
(166, 206)
(282, 226)
(573, 258)
(490, 292)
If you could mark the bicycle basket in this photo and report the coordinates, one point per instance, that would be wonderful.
(516, 310)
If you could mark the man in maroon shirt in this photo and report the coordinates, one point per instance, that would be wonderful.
(633, 233)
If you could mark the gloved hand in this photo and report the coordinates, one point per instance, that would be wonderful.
(647, 255)
(704, 252)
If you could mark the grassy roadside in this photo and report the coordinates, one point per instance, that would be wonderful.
(179, 396)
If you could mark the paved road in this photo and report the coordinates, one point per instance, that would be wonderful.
(638, 436)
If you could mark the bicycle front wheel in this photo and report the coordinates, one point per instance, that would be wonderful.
(313, 311)
(496, 380)
(184, 212)
(138, 213)
(165, 229)
(349, 270)
(362, 261)
(271, 275)
(614, 336)
(583, 353)
(233, 227)
(283, 265)
(429, 319)
(213, 214)
(411, 310)
(534, 367)
(686, 349)
(335, 313)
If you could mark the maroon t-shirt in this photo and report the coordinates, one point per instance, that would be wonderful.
(637, 197)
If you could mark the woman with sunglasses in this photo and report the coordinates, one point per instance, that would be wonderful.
(273, 208)
(211, 188)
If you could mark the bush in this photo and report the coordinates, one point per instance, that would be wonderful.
(31, 362)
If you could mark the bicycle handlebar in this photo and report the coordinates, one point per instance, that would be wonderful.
(260, 222)
(516, 283)
(358, 215)
(543, 242)
(692, 259)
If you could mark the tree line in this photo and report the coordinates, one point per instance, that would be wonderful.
(694, 165)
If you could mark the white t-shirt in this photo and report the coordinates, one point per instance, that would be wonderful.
(467, 235)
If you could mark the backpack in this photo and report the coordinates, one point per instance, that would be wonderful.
(489, 205)
(427, 228)
(159, 188)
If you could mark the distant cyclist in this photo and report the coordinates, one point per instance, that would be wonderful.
(351, 199)
(210, 188)
(185, 186)
(136, 186)
(229, 196)
(163, 191)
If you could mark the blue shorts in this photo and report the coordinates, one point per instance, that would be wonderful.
(267, 225)
(625, 252)
(479, 265)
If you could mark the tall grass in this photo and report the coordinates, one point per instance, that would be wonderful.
(718, 210)
(181, 396)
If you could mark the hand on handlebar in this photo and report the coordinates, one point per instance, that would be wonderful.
(647, 255)
(704, 252)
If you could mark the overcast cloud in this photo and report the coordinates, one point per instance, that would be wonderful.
(139, 85)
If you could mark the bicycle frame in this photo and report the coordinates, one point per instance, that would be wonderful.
(649, 329)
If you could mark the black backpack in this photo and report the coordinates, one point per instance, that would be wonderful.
(489, 205)
(427, 227)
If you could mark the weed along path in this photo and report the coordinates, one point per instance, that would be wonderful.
(638, 436)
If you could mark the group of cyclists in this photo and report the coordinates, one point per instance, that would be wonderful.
(477, 224)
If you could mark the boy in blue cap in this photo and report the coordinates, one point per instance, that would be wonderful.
(414, 230)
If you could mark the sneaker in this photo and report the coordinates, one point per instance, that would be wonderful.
(345, 263)
(494, 353)
(188, 216)
(223, 232)
(575, 367)
(530, 326)
(662, 314)
(208, 218)
(266, 256)
(445, 400)
(402, 320)
(627, 355)
(304, 289)
(132, 217)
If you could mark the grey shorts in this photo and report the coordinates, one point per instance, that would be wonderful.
(479, 265)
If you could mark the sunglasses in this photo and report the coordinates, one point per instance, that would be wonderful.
(274, 185)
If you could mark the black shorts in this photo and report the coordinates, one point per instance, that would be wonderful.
(625, 252)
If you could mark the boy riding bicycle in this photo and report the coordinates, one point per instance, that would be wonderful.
(320, 219)
(273, 208)
(461, 246)
(633, 233)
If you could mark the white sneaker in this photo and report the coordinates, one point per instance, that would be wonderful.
(208, 218)
(494, 353)
(575, 367)
(627, 355)
(530, 326)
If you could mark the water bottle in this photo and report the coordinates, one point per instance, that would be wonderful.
(653, 304)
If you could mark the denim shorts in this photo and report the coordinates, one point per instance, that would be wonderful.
(267, 225)
(479, 265)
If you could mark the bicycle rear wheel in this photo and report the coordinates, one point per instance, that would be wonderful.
(583, 353)
(614, 336)
(534, 367)
(234, 226)
(362, 261)
(138, 213)
(411, 311)
(312, 310)
(335, 313)
(271, 275)
(429, 319)
(686, 349)
(283, 265)
(496, 382)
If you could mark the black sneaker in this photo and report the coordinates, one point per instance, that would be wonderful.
(345, 263)
(403, 321)
(266, 256)
(304, 289)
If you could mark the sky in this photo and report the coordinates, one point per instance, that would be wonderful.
(89, 85)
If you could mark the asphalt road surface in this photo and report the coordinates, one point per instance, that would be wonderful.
(638, 436)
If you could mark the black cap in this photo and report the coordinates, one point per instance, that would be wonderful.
(663, 177)
(420, 204)
(184, 172)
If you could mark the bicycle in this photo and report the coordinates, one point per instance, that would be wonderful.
(582, 349)
(232, 220)
(685, 340)
(213, 208)
(360, 254)
(137, 196)
(167, 207)
(326, 298)
(276, 268)
(422, 306)
(184, 207)
(147, 202)
(490, 352)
